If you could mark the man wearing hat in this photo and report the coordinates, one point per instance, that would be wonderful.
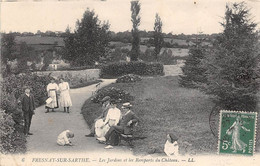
(106, 105)
(125, 126)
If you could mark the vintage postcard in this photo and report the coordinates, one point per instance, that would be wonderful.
(130, 82)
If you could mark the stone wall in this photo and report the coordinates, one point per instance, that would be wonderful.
(89, 74)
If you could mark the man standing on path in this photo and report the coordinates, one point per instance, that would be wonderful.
(28, 107)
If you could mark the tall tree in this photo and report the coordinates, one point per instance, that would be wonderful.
(193, 69)
(158, 36)
(135, 18)
(24, 55)
(233, 66)
(89, 41)
(8, 52)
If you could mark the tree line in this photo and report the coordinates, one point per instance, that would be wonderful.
(229, 71)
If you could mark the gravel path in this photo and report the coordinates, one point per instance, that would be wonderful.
(47, 126)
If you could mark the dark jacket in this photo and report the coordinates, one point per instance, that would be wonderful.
(125, 119)
(28, 103)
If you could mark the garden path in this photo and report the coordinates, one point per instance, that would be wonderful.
(47, 126)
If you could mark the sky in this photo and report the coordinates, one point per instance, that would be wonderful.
(178, 16)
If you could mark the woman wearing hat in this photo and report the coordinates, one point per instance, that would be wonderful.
(171, 147)
(52, 89)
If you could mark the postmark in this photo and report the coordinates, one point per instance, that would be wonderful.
(237, 132)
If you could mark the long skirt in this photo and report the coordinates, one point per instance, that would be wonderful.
(65, 100)
(237, 143)
(54, 103)
(100, 129)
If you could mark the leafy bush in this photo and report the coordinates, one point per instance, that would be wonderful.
(12, 137)
(15, 84)
(77, 81)
(148, 55)
(128, 78)
(167, 58)
(6, 131)
(139, 68)
(117, 94)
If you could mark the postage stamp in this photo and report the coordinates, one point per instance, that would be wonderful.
(237, 132)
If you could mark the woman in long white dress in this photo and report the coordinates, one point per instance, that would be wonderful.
(65, 100)
(112, 119)
(52, 89)
(237, 143)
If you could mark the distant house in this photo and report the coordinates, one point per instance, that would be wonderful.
(58, 64)
(53, 66)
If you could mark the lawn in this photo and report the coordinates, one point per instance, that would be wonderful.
(165, 107)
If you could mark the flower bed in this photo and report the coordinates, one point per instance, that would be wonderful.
(128, 78)
(115, 93)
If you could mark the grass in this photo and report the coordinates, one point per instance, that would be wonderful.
(165, 107)
(83, 84)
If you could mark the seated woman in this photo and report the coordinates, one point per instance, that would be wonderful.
(112, 119)
(99, 121)
(125, 127)
(171, 147)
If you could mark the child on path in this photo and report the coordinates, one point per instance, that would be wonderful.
(64, 138)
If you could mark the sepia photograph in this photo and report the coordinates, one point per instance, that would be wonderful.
(130, 82)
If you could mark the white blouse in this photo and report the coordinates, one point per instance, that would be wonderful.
(64, 86)
(113, 114)
(52, 86)
(171, 148)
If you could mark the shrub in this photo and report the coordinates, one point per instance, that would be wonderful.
(139, 68)
(6, 130)
(167, 58)
(12, 140)
(193, 70)
(128, 78)
(12, 137)
(148, 55)
(77, 81)
(117, 94)
(15, 84)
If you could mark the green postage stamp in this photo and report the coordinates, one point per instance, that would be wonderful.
(237, 132)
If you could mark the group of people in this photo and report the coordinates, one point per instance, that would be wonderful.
(106, 128)
(62, 90)
(28, 103)
(113, 121)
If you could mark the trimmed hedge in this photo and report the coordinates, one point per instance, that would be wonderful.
(139, 68)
